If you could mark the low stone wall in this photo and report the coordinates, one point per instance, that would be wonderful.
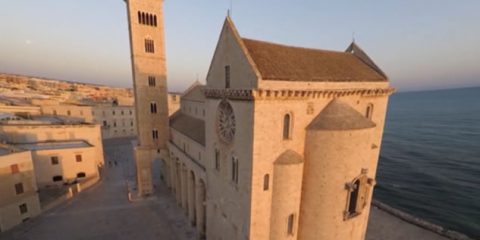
(420, 222)
(71, 192)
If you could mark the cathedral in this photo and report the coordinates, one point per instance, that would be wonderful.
(282, 142)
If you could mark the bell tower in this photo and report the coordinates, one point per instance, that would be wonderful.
(147, 46)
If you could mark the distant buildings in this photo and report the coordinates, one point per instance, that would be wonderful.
(18, 189)
(39, 151)
(281, 143)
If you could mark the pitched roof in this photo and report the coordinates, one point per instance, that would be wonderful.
(191, 127)
(281, 62)
(194, 93)
(338, 115)
(289, 157)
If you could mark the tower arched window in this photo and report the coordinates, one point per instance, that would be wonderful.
(153, 107)
(155, 134)
(287, 125)
(155, 20)
(369, 111)
(149, 46)
(139, 17)
(143, 18)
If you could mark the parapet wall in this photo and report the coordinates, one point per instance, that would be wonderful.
(420, 222)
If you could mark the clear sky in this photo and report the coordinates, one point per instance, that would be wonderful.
(427, 44)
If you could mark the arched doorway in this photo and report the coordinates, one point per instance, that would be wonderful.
(184, 188)
(191, 198)
(178, 183)
(201, 209)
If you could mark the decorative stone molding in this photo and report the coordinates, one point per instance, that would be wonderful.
(266, 94)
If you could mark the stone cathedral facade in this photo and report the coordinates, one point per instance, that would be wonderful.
(281, 143)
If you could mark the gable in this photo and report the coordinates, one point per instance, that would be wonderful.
(230, 51)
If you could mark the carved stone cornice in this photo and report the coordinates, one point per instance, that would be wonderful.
(267, 94)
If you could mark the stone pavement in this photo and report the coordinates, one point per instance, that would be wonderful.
(383, 226)
(104, 212)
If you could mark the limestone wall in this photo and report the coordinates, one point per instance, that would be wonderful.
(67, 167)
(10, 214)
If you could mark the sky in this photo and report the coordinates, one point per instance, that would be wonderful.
(421, 45)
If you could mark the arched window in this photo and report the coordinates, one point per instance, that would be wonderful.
(291, 223)
(287, 126)
(81, 175)
(151, 19)
(217, 159)
(227, 76)
(153, 107)
(235, 170)
(369, 111)
(358, 192)
(143, 18)
(139, 17)
(266, 182)
(155, 20)
(353, 198)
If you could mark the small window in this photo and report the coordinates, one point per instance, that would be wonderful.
(114, 123)
(235, 170)
(291, 224)
(153, 107)
(358, 191)
(139, 17)
(130, 112)
(266, 182)
(227, 76)
(122, 112)
(369, 111)
(54, 160)
(113, 112)
(152, 81)
(149, 46)
(155, 20)
(352, 203)
(155, 134)
(23, 208)
(14, 168)
(69, 113)
(78, 158)
(105, 124)
(57, 178)
(131, 123)
(286, 126)
(81, 175)
(19, 188)
(217, 159)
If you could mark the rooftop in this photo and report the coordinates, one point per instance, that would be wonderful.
(191, 127)
(48, 145)
(338, 115)
(281, 62)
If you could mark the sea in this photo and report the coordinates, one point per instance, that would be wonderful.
(430, 157)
